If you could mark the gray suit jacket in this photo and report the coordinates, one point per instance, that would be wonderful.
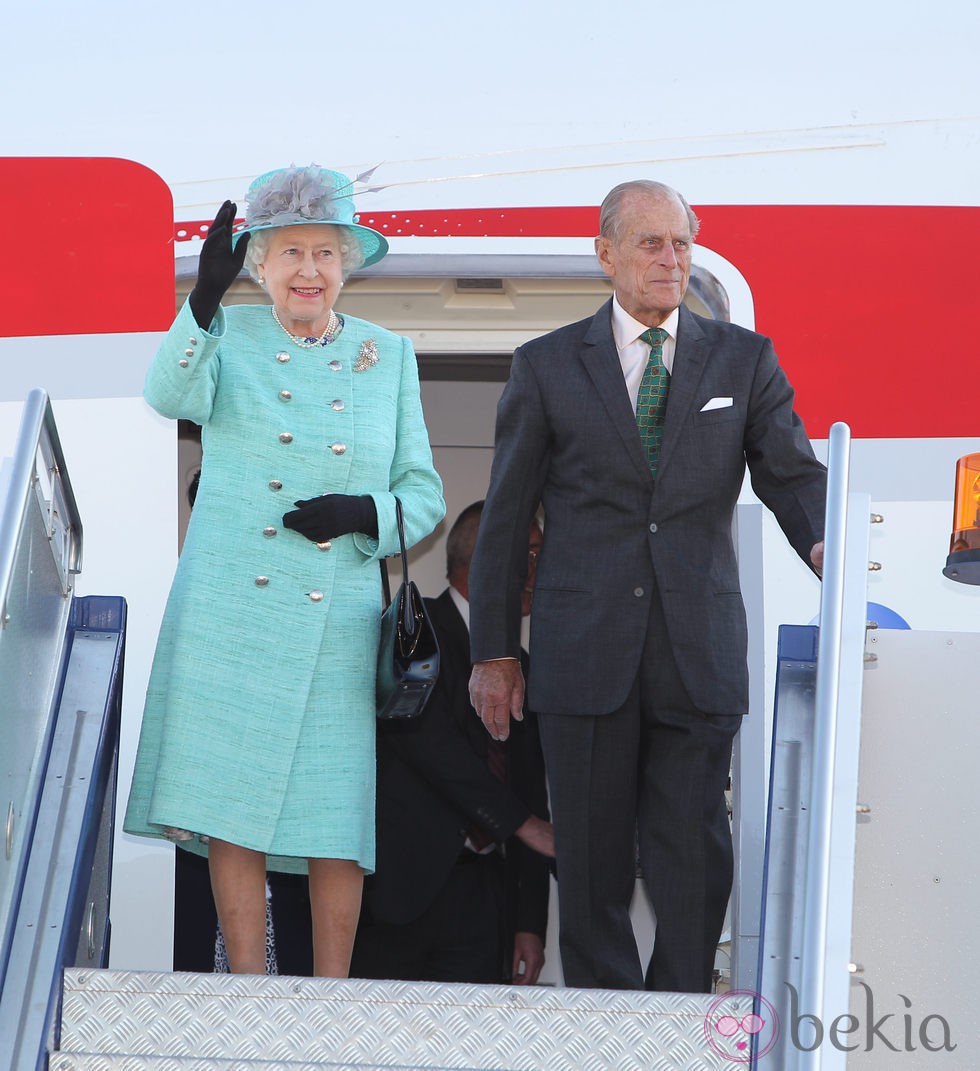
(567, 437)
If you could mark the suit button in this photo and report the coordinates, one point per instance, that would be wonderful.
(261, 581)
(282, 356)
(316, 596)
(638, 592)
(653, 527)
(324, 546)
(337, 405)
(338, 448)
(285, 396)
(275, 485)
(269, 532)
(285, 438)
(335, 366)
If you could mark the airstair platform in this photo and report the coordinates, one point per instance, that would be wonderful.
(214, 1022)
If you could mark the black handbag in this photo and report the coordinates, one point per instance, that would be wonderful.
(408, 652)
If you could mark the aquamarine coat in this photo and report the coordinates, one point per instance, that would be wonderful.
(260, 711)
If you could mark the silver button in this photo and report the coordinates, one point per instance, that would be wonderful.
(261, 581)
(653, 527)
(638, 592)
(324, 546)
(269, 532)
(282, 356)
(339, 448)
(336, 405)
(275, 485)
(285, 396)
(188, 353)
(285, 438)
(335, 366)
(316, 596)
(182, 363)
(192, 340)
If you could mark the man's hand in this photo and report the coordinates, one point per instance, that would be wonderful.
(497, 694)
(816, 557)
(538, 835)
(528, 958)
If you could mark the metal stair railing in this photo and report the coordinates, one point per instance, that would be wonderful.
(40, 551)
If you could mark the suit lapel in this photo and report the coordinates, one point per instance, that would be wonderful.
(690, 358)
(601, 360)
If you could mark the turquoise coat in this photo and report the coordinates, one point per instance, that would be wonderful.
(260, 711)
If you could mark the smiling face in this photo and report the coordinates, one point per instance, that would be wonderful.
(649, 258)
(303, 274)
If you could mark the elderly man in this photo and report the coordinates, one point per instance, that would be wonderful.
(633, 428)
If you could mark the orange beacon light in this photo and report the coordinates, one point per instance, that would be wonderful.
(963, 563)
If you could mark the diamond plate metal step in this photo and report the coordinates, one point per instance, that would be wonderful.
(67, 1061)
(156, 1021)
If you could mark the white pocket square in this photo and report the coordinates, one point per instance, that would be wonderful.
(716, 403)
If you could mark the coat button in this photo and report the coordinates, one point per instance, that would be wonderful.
(335, 366)
(285, 396)
(282, 357)
(261, 581)
(182, 363)
(269, 532)
(638, 592)
(188, 353)
(316, 596)
(324, 546)
(339, 448)
(285, 438)
(653, 527)
(192, 340)
(275, 485)
(336, 405)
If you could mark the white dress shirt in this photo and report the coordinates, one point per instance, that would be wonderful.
(634, 353)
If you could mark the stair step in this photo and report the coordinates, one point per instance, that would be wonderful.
(339, 1023)
(81, 1061)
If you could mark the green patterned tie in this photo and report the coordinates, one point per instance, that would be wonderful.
(651, 402)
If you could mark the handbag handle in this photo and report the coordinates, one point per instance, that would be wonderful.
(408, 618)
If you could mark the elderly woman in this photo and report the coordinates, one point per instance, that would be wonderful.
(257, 743)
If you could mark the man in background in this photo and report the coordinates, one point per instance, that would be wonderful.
(460, 891)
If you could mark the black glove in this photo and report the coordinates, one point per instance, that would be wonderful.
(329, 516)
(217, 266)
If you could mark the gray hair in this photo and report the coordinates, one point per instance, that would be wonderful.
(351, 251)
(610, 213)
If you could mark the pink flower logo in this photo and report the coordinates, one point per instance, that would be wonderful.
(735, 1019)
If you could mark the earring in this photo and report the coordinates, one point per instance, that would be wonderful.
(261, 280)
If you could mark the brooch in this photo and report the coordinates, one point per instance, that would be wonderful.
(367, 356)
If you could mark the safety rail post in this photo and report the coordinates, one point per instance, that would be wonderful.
(825, 953)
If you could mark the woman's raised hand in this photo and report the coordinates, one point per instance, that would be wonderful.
(218, 265)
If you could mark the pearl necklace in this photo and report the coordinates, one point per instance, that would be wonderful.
(331, 331)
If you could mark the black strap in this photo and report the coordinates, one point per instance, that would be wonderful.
(408, 617)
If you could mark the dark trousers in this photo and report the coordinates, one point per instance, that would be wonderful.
(458, 938)
(652, 773)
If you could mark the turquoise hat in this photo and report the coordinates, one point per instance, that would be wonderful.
(291, 195)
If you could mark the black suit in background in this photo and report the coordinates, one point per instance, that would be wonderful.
(434, 910)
